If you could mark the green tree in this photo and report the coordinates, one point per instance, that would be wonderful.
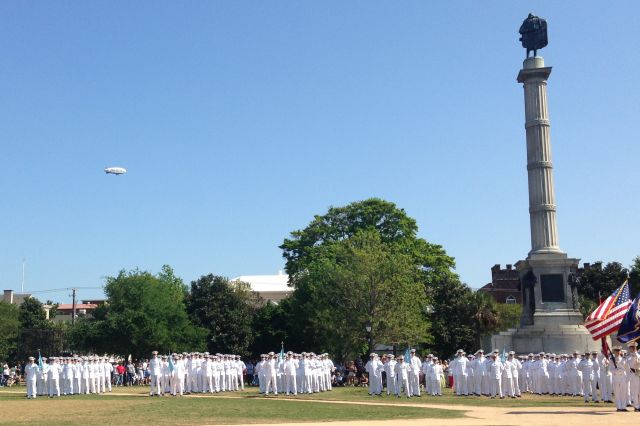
(340, 223)
(271, 327)
(318, 248)
(485, 315)
(366, 283)
(144, 312)
(598, 282)
(634, 277)
(452, 316)
(508, 315)
(32, 314)
(9, 328)
(225, 309)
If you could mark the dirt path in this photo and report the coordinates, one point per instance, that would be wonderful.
(564, 416)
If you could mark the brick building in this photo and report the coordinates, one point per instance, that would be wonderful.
(504, 285)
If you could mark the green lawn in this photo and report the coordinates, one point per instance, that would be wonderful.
(133, 405)
(448, 398)
(119, 408)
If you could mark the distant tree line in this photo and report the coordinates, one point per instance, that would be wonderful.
(360, 277)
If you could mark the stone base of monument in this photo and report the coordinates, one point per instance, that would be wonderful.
(559, 339)
(551, 321)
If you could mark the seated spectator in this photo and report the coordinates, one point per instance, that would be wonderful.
(364, 380)
(351, 374)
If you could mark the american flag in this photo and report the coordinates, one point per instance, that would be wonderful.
(608, 315)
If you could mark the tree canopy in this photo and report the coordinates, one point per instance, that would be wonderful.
(32, 314)
(357, 266)
(225, 310)
(143, 312)
(9, 328)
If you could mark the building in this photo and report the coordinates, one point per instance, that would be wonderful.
(272, 288)
(504, 286)
(505, 283)
(14, 298)
(64, 312)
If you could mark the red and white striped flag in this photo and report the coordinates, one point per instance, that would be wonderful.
(608, 315)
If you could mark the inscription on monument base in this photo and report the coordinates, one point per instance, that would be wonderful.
(552, 286)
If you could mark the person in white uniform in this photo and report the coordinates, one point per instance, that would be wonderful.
(618, 369)
(31, 372)
(155, 373)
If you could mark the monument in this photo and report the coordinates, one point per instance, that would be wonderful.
(551, 320)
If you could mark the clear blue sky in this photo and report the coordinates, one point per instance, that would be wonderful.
(240, 120)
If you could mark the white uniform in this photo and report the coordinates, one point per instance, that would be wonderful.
(460, 375)
(414, 374)
(155, 373)
(290, 373)
(588, 379)
(31, 373)
(53, 378)
(495, 376)
(605, 380)
(390, 371)
(633, 363)
(374, 367)
(618, 368)
(402, 378)
(271, 376)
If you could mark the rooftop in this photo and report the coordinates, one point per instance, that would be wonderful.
(266, 283)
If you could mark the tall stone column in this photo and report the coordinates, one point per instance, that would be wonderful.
(542, 200)
(551, 320)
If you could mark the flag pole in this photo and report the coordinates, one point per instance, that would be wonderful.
(605, 346)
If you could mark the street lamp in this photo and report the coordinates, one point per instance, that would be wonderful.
(368, 328)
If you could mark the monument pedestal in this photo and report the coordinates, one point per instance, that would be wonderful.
(551, 320)
(556, 339)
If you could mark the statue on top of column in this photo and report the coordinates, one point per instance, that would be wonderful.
(534, 34)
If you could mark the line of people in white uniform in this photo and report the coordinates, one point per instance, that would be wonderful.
(593, 376)
(403, 375)
(294, 373)
(68, 376)
(187, 373)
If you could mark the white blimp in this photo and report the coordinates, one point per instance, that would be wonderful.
(115, 170)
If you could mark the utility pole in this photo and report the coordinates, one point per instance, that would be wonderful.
(73, 307)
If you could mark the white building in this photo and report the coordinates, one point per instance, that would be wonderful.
(269, 287)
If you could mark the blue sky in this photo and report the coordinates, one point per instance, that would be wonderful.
(240, 120)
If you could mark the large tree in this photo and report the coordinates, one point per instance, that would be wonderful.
(317, 258)
(32, 314)
(225, 309)
(9, 328)
(452, 316)
(271, 326)
(362, 283)
(598, 282)
(143, 312)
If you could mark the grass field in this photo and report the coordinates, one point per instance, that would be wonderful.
(134, 406)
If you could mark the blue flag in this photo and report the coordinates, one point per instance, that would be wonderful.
(40, 361)
(503, 357)
(630, 326)
(281, 356)
(407, 355)
(171, 366)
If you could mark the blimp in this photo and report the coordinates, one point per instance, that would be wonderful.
(115, 170)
